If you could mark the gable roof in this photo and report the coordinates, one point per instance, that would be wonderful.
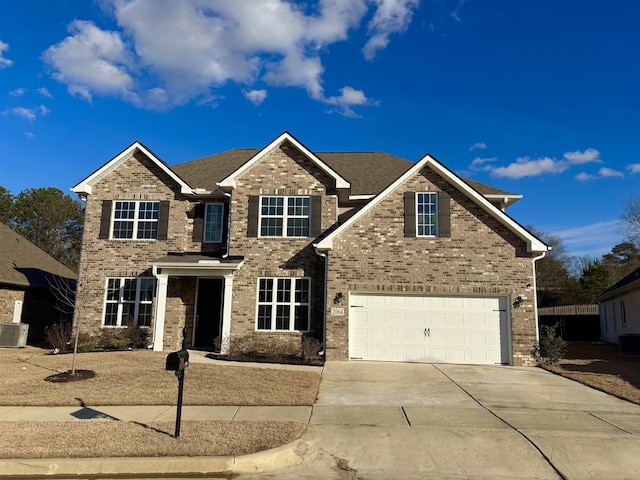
(85, 186)
(230, 180)
(629, 283)
(533, 243)
(23, 264)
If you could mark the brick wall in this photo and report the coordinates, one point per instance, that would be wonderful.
(482, 257)
(8, 298)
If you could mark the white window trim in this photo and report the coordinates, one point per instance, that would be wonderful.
(121, 302)
(135, 220)
(417, 195)
(274, 303)
(623, 315)
(285, 216)
(204, 228)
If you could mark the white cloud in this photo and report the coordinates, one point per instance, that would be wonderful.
(349, 97)
(480, 164)
(91, 59)
(578, 157)
(169, 53)
(391, 16)
(26, 113)
(44, 92)
(584, 177)
(255, 96)
(592, 240)
(478, 146)
(42, 110)
(18, 92)
(609, 172)
(4, 62)
(634, 167)
(29, 135)
(526, 167)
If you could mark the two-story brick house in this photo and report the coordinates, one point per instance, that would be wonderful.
(378, 257)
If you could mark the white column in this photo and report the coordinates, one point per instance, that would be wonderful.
(226, 313)
(161, 306)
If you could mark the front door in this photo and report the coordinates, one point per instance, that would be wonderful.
(208, 313)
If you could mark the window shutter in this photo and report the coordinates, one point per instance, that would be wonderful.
(444, 215)
(105, 220)
(316, 215)
(252, 221)
(409, 214)
(198, 223)
(163, 220)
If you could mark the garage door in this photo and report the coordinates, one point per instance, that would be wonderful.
(405, 328)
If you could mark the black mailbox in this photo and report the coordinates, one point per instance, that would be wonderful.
(177, 361)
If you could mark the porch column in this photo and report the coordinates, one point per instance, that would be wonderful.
(161, 306)
(226, 313)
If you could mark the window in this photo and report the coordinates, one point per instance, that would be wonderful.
(284, 216)
(128, 301)
(135, 219)
(283, 304)
(427, 214)
(623, 315)
(213, 218)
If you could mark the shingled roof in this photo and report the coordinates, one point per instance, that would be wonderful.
(368, 172)
(630, 282)
(23, 264)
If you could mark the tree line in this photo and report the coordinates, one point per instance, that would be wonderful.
(47, 218)
(566, 280)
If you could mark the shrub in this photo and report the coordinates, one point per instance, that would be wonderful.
(87, 342)
(274, 349)
(552, 347)
(58, 336)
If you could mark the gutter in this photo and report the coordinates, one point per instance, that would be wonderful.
(535, 293)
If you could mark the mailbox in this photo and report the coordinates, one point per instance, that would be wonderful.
(177, 361)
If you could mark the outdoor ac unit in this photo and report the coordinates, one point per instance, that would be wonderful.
(13, 334)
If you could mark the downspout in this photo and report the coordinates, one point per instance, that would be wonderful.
(535, 294)
(324, 307)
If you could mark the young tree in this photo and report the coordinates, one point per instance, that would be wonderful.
(593, 281)
(629, 220)
(51, 220)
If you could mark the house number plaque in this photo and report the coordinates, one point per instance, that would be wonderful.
(337, 311)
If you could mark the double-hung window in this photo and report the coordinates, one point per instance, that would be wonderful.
(213, 218)
(133, 219)
(128, 302)
(284, 216)
(427, 214)
(283, 304)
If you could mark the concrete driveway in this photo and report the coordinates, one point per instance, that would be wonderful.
(387, 420)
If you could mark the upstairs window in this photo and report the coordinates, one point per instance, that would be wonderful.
(135, 220)
(285, 216)
(128, 302)
(283, 304)
(213, 222)
(427, 214)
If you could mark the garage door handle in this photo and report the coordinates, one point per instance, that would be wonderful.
(427, 332)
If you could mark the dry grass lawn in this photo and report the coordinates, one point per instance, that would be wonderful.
(600, 365)
(139, 378)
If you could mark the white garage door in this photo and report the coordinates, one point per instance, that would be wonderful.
(406, 328)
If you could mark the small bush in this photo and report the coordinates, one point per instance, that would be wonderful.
(304, 350)
(552, 347)
(58, 336)
(87, 342)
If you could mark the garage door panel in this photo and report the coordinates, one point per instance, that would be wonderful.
(428, 329)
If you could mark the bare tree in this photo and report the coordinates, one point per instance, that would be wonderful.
(629, 223)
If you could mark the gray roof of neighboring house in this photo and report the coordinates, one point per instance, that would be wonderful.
(23, 264)
(368, 172)
(630, 282)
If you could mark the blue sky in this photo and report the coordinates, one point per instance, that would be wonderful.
(538, 98)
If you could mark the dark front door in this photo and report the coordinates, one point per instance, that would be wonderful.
(208, 313)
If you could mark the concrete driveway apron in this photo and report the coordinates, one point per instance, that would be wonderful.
(392, 420)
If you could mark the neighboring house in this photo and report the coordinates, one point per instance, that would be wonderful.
(620, 308)
(26, 276)
(378, 257)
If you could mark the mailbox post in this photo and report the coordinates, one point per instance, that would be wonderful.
(177, 362)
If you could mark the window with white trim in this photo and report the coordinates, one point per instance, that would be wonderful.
(427, 214)
(623, 315)
(128, 302)
(135, 219)
(213, 218)
(284, 216)
(283, 304)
